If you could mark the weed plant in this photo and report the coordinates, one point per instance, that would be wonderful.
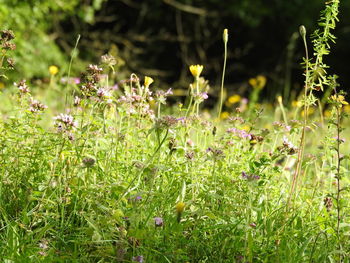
(118, 177)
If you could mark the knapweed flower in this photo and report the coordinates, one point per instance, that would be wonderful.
(196, 70)
(158, 221)
(148, 81)
(53, 70)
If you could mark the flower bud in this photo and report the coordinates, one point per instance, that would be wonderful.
(225, 35)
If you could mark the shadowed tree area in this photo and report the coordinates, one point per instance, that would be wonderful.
(162, 38)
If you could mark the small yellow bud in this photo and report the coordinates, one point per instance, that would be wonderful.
(196, 70)
(279, 99)
(225, 35)
(53, 70)
(180, 207)
(148, 81)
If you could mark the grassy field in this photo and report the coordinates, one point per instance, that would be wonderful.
(108, 172)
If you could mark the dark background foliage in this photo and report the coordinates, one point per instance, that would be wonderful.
(161, 38)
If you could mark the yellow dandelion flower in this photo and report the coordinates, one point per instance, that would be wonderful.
(196, 70)
(253, 82)
(224, 115)
(53, 70)
(246, 127)
(234, 99)
(261, 81)
(180, 207)
(148, 81)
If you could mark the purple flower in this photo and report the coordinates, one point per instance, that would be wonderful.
(250, 177)
(158, 221)
(138, 259)
(240, 133)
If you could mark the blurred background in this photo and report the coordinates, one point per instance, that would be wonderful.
(161, 38)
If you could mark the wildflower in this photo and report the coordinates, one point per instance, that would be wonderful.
(250, 177)
(94, 69)
(339, 99)
(215, 153)
(138, 259)
(77, 101)
(64, 122)
(258, 83)
(328, 203)
(102, 93)
(36, 106)
(148, 81)
(297, 104)
(240, 133)
(22, 87)
(53, 70)
(234, 99)
(108, 60)
(196, 70)
(180, 207)
(7, 35)
(224, 115)
(158, 221)
(11, 63)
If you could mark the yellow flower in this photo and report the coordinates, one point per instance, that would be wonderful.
(253, 82)
(327, 113)
(180, 207)
(234, 99)
(309, 112)
(296, 103)
(53, 70)
(279, 99)
(148, 81)
(224, 115)
(196, 70)
(339, 99)
(2, 85)
(261, 81)
(347, 108)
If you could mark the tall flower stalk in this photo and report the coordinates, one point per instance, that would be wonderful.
(225, 39)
